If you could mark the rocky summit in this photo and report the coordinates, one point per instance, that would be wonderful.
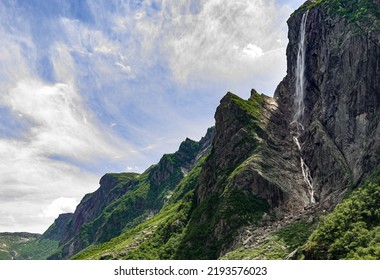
(293, 176)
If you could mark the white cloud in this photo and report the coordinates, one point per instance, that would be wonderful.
(30, 181)
(126, 69)
(63, 63)
(207, 43)
(86, 39)
(133, 169)
(59, 206)
(62, 126)
(253, 51)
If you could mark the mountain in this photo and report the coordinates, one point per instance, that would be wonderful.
(125, 200)
(31, 246)
(294, 176)
(25, 246)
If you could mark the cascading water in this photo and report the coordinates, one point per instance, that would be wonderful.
(300, 74)
(299, 105)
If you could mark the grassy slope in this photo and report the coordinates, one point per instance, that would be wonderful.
(215, 221)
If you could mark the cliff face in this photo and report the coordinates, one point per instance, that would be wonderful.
(58, 228)
(342, 82)
(254, 150)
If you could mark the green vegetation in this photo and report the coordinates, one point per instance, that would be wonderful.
(125, 201)
(152, 239)
(225, 214)
(155, 238)
(140, 201)
(216, 219)
(21, 246)
(158, 236)
(364, 13)
(38, 249)
(188, 183)
(252, 110)
(144, 196)
(277, 246)
(352, 230)
(164, 243)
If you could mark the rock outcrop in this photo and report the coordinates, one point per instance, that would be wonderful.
(58, 228)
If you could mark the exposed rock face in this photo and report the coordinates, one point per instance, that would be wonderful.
(57, 229)
(261, 154)
(342, 134)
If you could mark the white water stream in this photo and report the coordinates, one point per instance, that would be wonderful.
(299, 105)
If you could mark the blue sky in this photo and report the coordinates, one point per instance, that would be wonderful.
(90, 87)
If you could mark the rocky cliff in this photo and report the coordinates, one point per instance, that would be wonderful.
(341, 116)
(58, 228)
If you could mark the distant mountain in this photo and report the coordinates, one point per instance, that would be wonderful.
(295, 176)
(25, 246)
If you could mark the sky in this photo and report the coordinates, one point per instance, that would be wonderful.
(92, 87)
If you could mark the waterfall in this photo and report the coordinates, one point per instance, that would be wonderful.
(299, 105)
(305, 172)
(300, 74)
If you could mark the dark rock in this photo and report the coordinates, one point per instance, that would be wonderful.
(342, 133)
(57, 229)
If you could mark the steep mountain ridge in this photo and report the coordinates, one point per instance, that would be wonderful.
(58, 228)
(252, 169)
(127, 199)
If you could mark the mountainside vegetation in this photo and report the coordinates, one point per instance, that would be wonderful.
(352, 230)
(25, 246)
